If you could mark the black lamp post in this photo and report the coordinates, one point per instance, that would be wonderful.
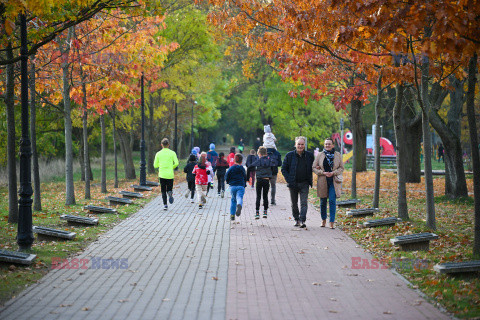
(25, 234)
(191, 131)
(143, 171)
(175, 141)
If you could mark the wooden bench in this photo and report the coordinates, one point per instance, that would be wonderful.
(362, 212)
(96, 209)
(152, 183)
(385, 160)
(76, 220)
(116, 200)
(131, 195)
(413, 242)
(44, 233)
(390, 221)
(16, 257)
(458, 267)
(136, 187)
(351, 203)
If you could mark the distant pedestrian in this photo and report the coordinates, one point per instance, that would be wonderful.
(275, 155)
(263, 168)
(201, 171)
(257, 144)
(192, 162)
(166, 161)
(328, 166)
(212, 156)
(297, 170)
(222, 166)
(236, 178)
(241, 146)
(231, 157)
(440, 152)
(252, 157)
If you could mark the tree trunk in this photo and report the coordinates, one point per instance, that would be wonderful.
(376, 192)
(85, 136)
(359, 136)
(455, 182)
(69, 186)
(402, 206)
(115, 149)
(127, 155)
(103, 148)
(472, 125)
(11, 140)
(37, 201)
(150, 131)
(427, 146)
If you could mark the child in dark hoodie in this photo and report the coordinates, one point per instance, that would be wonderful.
(221, 169)
(192, 161)
(263, 171)
(236, 178)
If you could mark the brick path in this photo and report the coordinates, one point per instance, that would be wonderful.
(190, 263)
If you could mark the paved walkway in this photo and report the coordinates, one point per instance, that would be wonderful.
(190, 263)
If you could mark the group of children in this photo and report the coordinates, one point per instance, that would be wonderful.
(202, 168)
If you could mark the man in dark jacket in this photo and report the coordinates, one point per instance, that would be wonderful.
(297, 171)
(275, 155)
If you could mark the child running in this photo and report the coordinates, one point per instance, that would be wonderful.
(192, 161)
(222, 166)
(201, 171)
(236, 178)
(263, 166)
(231, 157)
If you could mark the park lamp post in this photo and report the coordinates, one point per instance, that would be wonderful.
(175, 141)
(341, 136)
(191, 130)
(25, 234)
(143, 171)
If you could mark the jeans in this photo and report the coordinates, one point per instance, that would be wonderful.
(332, 202)
(166, 185)
(262, 189)
(237, 193)
(221, 182)
(273, 187)
(302, 190)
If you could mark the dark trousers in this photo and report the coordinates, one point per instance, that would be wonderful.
(221, 182)
(263, 185)
(166, 185)
(302, 190)
(191, 187)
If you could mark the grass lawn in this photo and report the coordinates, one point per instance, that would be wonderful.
(455, 219)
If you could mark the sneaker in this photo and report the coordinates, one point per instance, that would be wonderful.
(257, 215)
(222, 194)
(165, 207)
(204, 200)
(200, 206)
(218, 194)
(187, 194)
(273, 203)
(170, 197)
(265, 214)
(232, 217)
(297, 223)
(303, 225)
(192, 201)
(239, 210)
